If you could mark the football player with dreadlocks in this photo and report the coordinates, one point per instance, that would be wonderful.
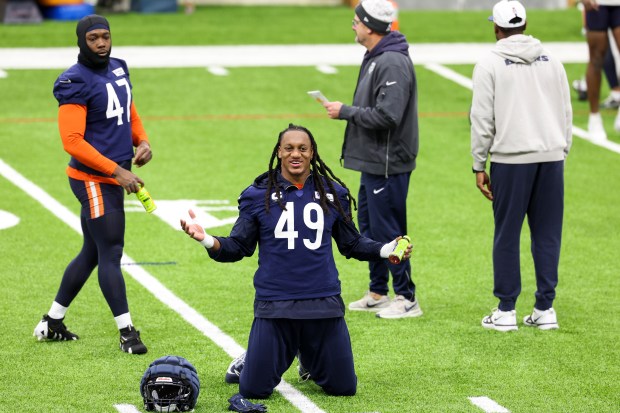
(293, 211)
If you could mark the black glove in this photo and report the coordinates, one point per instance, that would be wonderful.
(239, 404)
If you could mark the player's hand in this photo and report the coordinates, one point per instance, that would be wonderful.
(127, 179)
(590, 5)
(143, 154)
(333, 109)
(484, 184)
(193, 228)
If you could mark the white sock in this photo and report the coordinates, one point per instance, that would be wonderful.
(57, 311)
(123, 320)
(615, 94)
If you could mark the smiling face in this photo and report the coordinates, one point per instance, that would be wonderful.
(99, 41)
(295, 153)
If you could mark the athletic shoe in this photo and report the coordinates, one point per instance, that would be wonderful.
(130, 341)
(400, 307)
(53, 329)
(501, 320)
(610, 103)
(617, 122)
(596, 130)
(367, 303)
(581, 88)
(544, 320)
(304, 375)
(234, 369)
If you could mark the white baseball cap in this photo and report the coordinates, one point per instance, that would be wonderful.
(508, 13)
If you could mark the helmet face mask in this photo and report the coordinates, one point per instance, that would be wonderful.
(170, 384)
(167, 395)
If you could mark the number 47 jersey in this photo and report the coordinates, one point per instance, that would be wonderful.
(106, 94)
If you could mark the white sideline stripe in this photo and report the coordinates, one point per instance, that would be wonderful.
(3, 74)
(488, 405)
(227, 343)
(126, 408)
(467, 82)
(218, 70)
(349, 54)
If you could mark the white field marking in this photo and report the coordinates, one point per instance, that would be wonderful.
(172, 211)
(8, 220)
(451, 75)
(3, 74)
(327, 69)
(466, 82)
(126, 408)
(218, 70)
(349, 54)
(488, 405)
(152, 284)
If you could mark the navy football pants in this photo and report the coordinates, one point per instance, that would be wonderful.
(536, 191)
(104, 238)
(324, 345)
(382, 216)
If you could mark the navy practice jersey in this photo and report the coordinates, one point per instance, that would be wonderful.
(106, 93)
(295, 259)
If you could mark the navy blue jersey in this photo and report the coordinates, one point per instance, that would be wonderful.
(106, 93)
(295, 259)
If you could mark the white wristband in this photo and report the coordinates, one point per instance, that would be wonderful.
(208, 241)
(387, 248)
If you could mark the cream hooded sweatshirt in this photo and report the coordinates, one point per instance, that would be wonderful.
(521, 110)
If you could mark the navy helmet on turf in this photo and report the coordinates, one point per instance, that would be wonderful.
(170, 384)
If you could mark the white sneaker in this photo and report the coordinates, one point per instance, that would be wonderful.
(367, 303)
(400, 307)
(501, 320)
(617, 122)
(544, 320)
(596, 130)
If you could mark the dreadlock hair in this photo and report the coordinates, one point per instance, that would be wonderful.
(320, 169)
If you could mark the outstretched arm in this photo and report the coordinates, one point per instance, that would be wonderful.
(197, 232)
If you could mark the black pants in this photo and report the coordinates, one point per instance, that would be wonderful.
(536, 191)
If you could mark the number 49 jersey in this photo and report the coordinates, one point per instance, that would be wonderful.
(295, 259)
(106, 93)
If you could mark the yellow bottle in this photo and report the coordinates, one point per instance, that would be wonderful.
(396, 256)
(146, 200)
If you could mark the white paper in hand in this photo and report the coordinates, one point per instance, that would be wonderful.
(318, 96)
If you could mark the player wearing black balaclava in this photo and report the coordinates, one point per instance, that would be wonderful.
(87, 57)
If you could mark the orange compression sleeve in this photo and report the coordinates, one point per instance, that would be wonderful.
(138, 134)
(72, 124)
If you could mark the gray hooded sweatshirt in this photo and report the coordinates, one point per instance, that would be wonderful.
(521, 111)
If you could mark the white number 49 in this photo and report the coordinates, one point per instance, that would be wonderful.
(287, 219)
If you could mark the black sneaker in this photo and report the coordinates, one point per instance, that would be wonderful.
(53, 329)
(130, 341)
(234, 369)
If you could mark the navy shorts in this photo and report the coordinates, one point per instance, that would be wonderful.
(96, 198)
(606, 17)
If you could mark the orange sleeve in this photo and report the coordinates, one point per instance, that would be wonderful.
(138, 134)
(72, 124)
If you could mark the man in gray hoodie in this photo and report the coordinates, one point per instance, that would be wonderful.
(521, 120)
(381, 141)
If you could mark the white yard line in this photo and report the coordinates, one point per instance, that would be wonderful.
(126, 408)
(488, 405)
(152, 284)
